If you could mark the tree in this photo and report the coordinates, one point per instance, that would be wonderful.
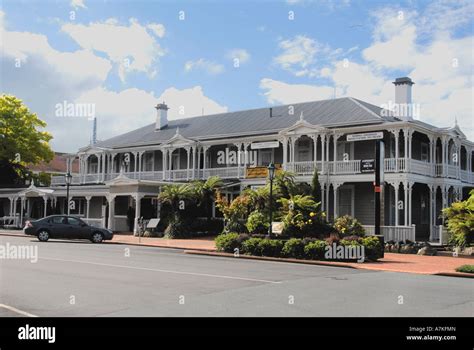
(205, 192)
(176, 196)
(22, 141)
(460, 221)
(316, 187)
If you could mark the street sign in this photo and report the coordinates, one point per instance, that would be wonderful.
(365, 136)
(153, 223)
(367, 165)
(268, 144)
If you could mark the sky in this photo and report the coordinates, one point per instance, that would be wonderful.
(122, 57)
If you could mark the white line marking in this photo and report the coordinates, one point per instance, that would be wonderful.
(11, 308)
(165, 271)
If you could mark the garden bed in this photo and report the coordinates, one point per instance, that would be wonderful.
(350, 249)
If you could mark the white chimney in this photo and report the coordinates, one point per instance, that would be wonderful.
(161, 116)
(403, 95)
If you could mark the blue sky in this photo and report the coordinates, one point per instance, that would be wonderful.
(124, 56)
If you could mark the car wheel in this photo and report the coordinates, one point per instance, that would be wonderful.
(43, 235)
(97, 237)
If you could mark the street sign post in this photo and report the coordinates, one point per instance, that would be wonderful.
(369, 165)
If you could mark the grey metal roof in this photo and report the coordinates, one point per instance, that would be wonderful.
(326, 113)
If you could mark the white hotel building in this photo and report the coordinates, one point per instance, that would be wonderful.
(425, 167)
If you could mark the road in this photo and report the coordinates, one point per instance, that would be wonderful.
(82, 279)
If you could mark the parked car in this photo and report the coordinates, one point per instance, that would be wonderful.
(63, 226)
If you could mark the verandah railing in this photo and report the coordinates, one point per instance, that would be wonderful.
(393, 233)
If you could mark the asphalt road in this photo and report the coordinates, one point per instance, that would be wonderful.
(82, 279)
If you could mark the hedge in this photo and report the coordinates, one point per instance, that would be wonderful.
(293, 248)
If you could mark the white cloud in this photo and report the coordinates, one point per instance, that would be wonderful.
(404, 43)
(283, 93)
(241, 54)
(157, 29)
(303, 56)
(130, 47)
(189, 102)
(47, 77)
(76, 4)
(208, 66)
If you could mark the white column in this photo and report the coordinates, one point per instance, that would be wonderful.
(22, 203)
(45, 199)
(188, 157)
(10, 212)
(335, 137)
(111, 200)
(335, 211)
(199, 162)
(322, 196)
(14, 209)
(193, 152)
(315, 140)
(405, 145)
(88, 201)
(405, 203)
(432, 223)
(410, 188)
(396, 186)
(328, 142)
(284, 143)
(239, 146)
(397, 138)
(204, 155)
(163, 162)
(138, 199)
(323, 166)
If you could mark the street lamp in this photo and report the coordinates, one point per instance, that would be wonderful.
(68, 177)
(271, 176)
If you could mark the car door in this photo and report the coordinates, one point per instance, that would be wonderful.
(78, 228)
(57, 226)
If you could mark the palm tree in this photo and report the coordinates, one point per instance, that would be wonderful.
(174, 194)
(205, 192)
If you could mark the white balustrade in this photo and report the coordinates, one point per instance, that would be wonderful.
(393, 233)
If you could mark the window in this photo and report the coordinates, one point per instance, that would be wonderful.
(265, 157)
(74, 221)
(58, 220)
(424, 152)
(148, 161)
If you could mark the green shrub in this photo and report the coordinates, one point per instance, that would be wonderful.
(227, 242)
(465, 268)
(252, 246)
(460, 221)
(349, 242)
(270, 247)
(315, 250)
(348, 226)
(293, 248)
(257, 223)
(373, 248)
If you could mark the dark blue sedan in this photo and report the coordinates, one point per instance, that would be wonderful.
(63, 226)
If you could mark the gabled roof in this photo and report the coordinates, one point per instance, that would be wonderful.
(326, 113)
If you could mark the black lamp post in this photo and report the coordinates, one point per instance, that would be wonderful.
(68, 182)
(271, 176)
